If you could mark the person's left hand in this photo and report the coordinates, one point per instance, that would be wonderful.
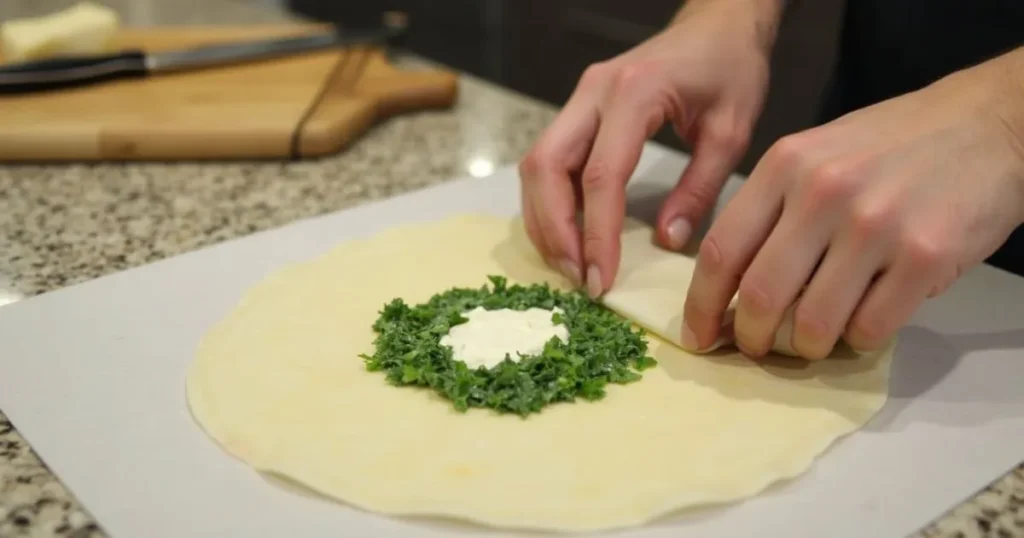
(862, 219)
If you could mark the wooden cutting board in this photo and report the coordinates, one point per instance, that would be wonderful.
(301, 106)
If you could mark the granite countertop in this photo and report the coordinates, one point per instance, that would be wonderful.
(64, 224)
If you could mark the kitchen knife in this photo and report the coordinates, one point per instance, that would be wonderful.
(57, 73)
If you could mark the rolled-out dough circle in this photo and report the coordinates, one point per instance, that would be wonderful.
(279, 384)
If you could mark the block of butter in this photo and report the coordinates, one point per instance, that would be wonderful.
(85, 28)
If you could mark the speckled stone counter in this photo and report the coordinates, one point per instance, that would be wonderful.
(65, 224)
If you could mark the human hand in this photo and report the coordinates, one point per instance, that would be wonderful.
(707, 75)
(862, 219)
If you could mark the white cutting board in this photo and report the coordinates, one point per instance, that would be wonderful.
(94, 374)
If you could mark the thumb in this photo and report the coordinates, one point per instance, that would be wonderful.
(719, 146)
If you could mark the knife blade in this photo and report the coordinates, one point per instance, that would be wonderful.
(67, 72)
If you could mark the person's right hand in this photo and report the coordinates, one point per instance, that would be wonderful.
(707, 74)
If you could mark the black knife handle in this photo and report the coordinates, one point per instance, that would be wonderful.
(59, 73)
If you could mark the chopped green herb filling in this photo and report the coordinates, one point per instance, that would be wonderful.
(602, 348)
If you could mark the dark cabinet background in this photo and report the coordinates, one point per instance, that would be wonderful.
(540, 47)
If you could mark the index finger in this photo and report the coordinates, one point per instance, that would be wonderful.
(725, 253)
(624, 129)
(546, 177)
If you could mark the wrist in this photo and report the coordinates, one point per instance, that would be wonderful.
(991, 94)
(760, 18)
(1007, 75)
(1010, 83)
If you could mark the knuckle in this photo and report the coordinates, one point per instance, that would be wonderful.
(593, 240)
(816, 327)
(596, 175)
(867, 329)
(594, 74)
(824, 187)
(754, 298)
(926, 252)
(710, 257)
(697, 195)
(808, 324)
(696, 311)
(830, 180)
(630, 76)
(737, 140)
(811, 335)
(728, 137)
(871, 219)
(788, 152)
(783, 162)
(533, 164)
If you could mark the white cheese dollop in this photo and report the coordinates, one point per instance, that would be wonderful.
(489, 335)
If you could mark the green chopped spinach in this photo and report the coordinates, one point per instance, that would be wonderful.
(602, 348)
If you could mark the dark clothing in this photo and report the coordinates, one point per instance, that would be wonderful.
(891, 47)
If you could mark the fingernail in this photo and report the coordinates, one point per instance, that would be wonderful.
(747, 350)
(570, 270)
(679, 231)
(689, 339)
(750, 354)
(594, 287)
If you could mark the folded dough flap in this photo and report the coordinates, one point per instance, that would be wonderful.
(651, 287)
